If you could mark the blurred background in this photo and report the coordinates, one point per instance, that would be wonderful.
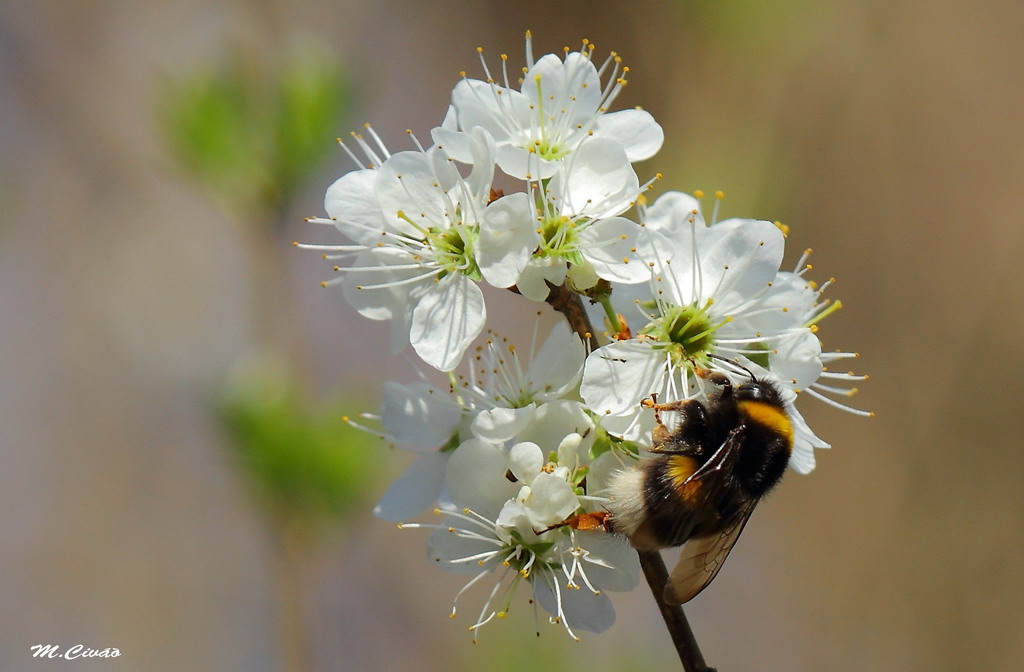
(176, 478)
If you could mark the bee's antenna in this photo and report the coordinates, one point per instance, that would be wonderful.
(753, 378)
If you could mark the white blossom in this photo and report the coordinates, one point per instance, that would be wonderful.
(414, 219)
(498, 399)
(703, 299)
(501, 534)
(559, 107)
(519, 442)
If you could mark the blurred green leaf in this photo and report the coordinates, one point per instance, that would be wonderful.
(757, 24)
(311, 99)
(303, 459)
(252, 133)
(211, 121)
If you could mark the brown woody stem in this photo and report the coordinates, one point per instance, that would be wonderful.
(569, 304)
(675, 620)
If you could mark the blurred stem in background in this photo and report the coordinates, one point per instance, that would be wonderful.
(309, 469)
(251, 130)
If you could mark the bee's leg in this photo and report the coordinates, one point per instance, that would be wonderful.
(597, 520)
(661, 438)
(715, 378)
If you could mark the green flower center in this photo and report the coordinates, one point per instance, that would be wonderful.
(686, 331)
(548, 146)
(450, 241)
(550, 150)
(559, 237)
(451, 246)
(538, 549)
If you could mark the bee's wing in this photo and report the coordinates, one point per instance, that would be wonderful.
(705, 487)
(702, 557)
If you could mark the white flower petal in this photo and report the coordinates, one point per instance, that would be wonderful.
(514, 516)
(481, 151)
(352, 201)
(636, 130)
(508, 237)
(408, 182)
(571, 85)
(520, 163)
(741, 257)
(475, 477)
(610, 245)
(804, 443)
(797, 359)
(538, 272)
(557, 368)
(525, 461)
(618, 376)
(614, 564)
(667, 213)
(417, 415)
(416, 490)
(600, 474)
(450, 550)
(582, 609)
(598, 181)
(582, 276)
(554, 421)
(488, 106)
(380, 266)
(363, 289)
(788, 303)
(501, 424)
(635, 427)
(570, 450)
(446, 320)
(551, 500)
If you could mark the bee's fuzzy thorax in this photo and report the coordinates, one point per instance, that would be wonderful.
(627, 501)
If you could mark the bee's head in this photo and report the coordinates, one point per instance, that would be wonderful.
(752, 390)
(757, 390)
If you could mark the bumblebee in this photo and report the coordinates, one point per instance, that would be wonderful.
(704, 479)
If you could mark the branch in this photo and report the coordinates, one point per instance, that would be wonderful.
(568, 303)
(675, 620)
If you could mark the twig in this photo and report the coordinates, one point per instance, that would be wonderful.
(675, 620)
(569, 304)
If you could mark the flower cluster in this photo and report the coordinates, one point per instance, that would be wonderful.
(512, 447)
